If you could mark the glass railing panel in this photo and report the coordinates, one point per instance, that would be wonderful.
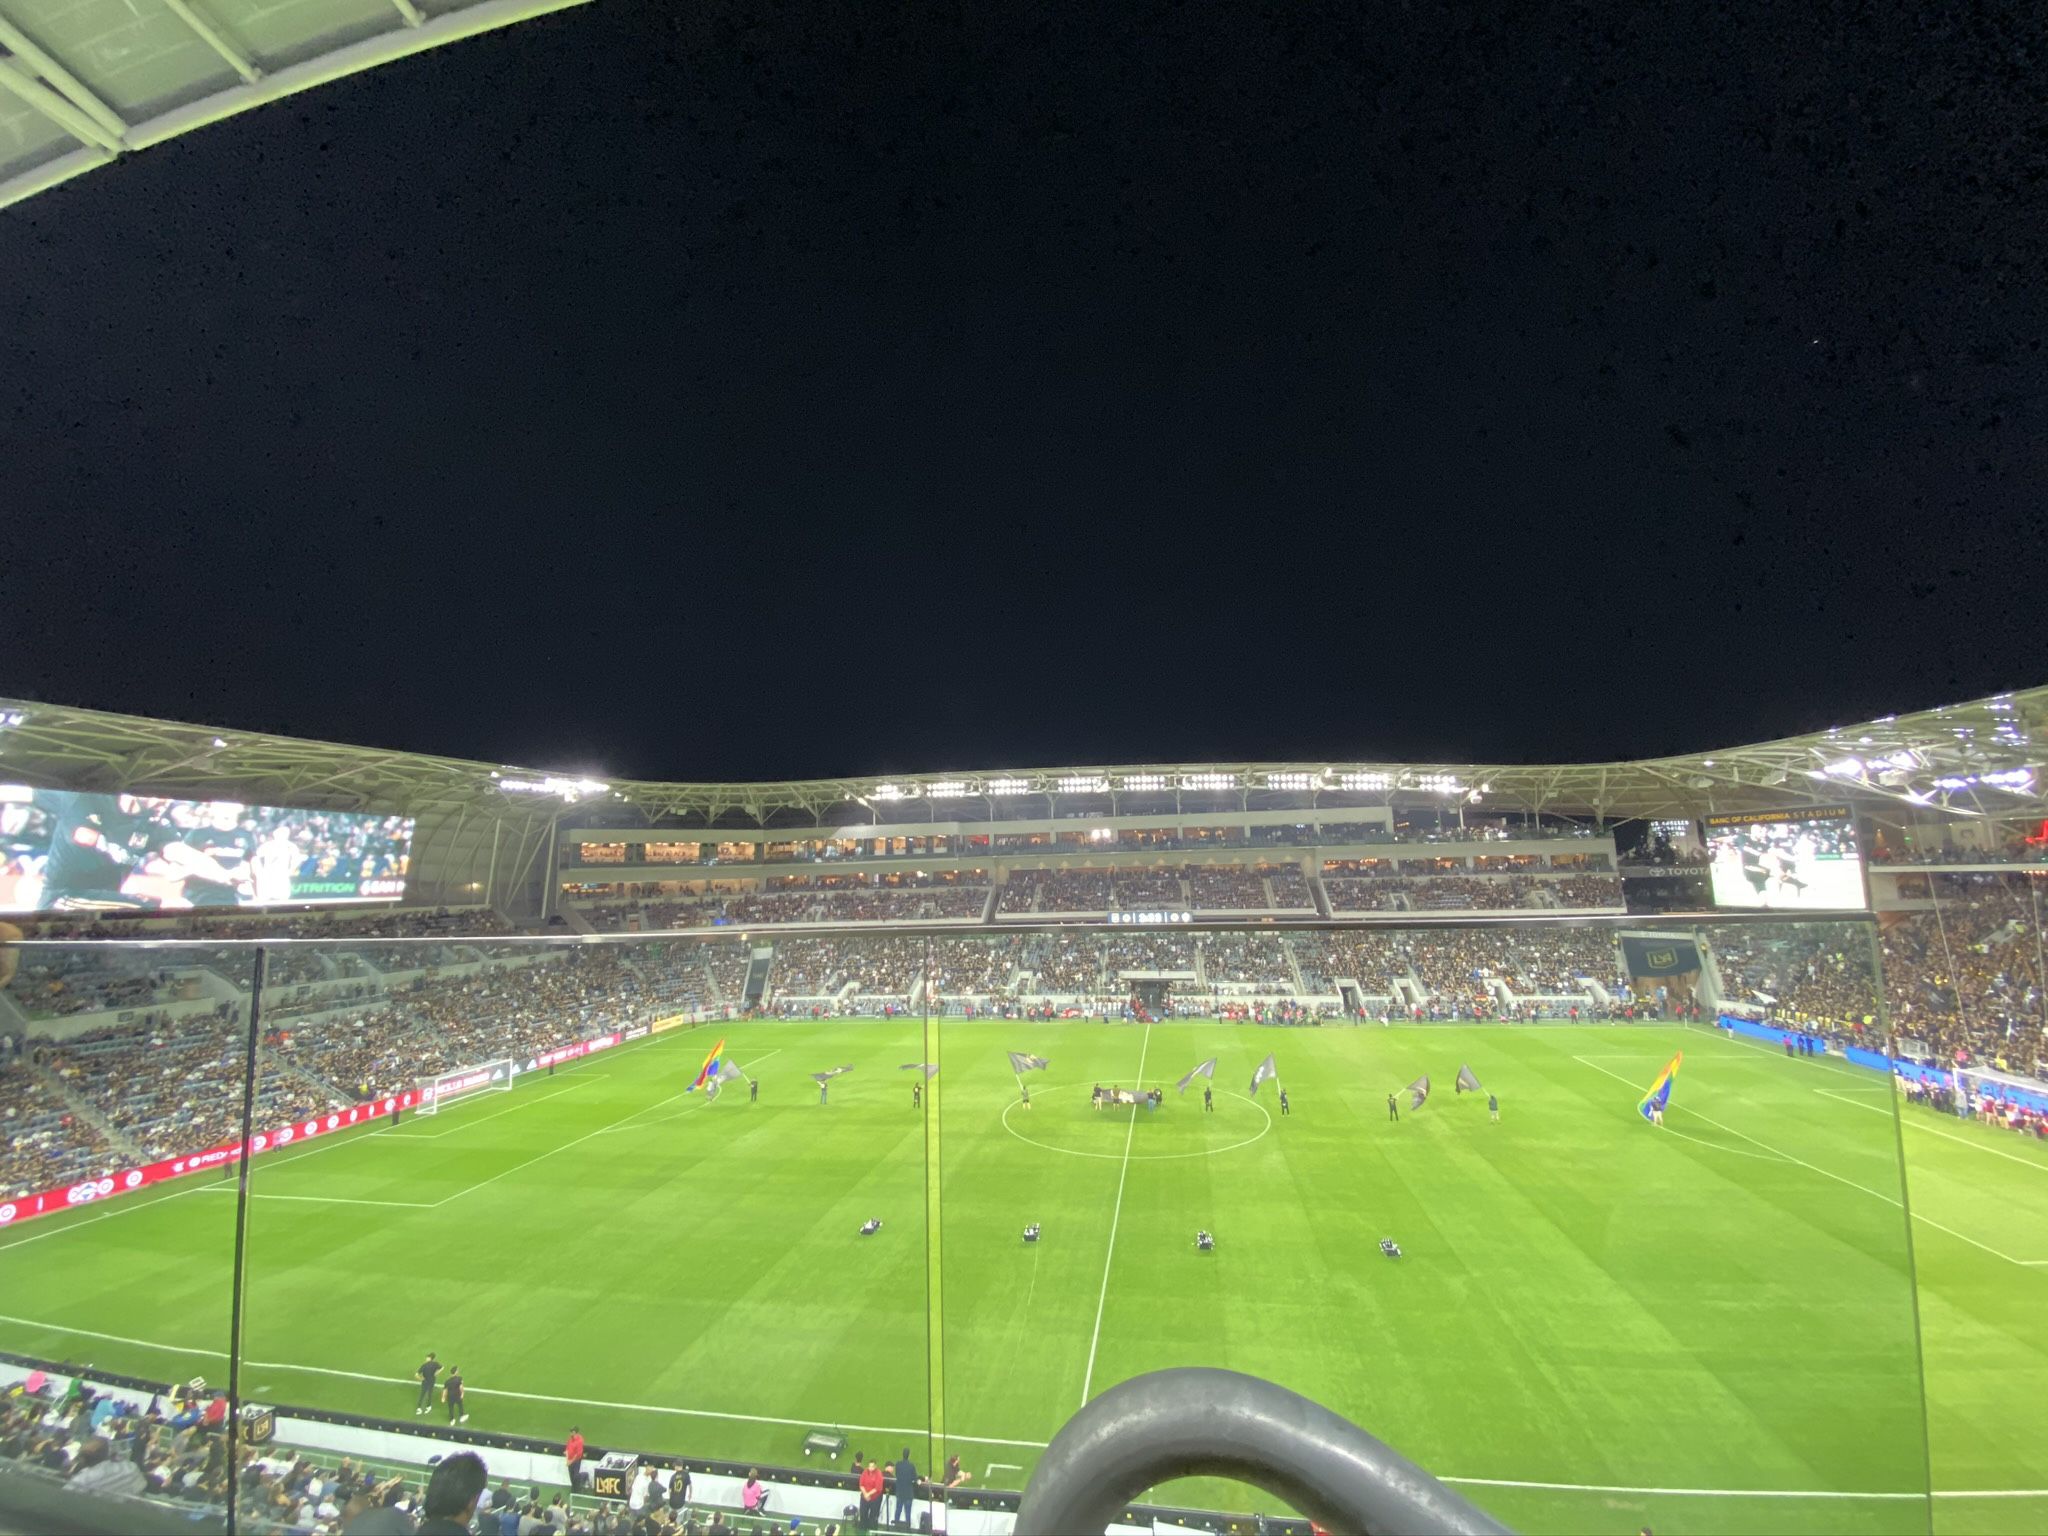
(604, 1187)
(1966, 995)
(122, 1070)
(1584, 1312)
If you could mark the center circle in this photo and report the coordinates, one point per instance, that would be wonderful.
(1148, 1157)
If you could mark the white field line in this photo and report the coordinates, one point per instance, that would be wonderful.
(531, 1397)
(272, 1161)
(1840, 1179)
(399, 1205)
(1672, 1130)
(1934, 1130)
(670, 1119)
(1116, 1215)
(466, 1123)
(1035, 1445)
(565, 1146)
(60, 1228)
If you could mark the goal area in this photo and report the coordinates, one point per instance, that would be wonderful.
(464, 1083)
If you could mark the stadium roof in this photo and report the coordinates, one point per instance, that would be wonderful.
(83, 82)
(1984, 758)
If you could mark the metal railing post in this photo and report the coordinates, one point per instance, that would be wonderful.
(1201, 1422)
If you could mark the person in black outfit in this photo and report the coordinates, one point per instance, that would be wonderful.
(430, 1368)
(457, 1412)
(1284, 1109)
(1393, 1108)
(753, 1090)
(1208, 1101)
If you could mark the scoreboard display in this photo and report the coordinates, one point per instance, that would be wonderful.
(1786, 859)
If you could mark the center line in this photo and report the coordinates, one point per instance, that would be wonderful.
(1116, 1215)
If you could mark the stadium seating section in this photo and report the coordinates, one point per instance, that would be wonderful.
(154, 1062)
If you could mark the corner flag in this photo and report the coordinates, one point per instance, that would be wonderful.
(1206, 1069)
(1418, 1091)
(930, 1069)
(1268, 1070)
(709, 1070)
(1466, 1082)
(1021, 1061)
(1660, 1091)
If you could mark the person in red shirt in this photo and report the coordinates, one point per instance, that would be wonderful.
(572, 1455)
(216, 1415)
(871, 1495)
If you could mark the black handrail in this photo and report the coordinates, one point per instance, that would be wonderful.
(1197, 1421)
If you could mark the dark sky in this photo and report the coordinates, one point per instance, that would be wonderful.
(755, 389)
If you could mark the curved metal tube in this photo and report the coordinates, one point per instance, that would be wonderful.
(1196, 1421)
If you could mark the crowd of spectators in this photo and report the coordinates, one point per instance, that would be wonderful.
(883, 966)
(2015, 849)
(1245, 958)
(1470, 893)
(1073, 890)
(42, 1143)
(1377, 893)
(1068, 963)
(1226, 888)
(1148, 890)
(1290, 889)
(974, 967)
(172, 1452)
(1586, 891)
(727, 966)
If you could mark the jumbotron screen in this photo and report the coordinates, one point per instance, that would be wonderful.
(70, 851)
(1786, 859)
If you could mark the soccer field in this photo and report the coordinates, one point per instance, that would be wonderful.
(1596, 1325)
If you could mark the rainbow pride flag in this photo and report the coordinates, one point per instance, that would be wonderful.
(713, 1065)
(1660, 1091)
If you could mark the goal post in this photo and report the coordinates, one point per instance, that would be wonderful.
(464, 1083)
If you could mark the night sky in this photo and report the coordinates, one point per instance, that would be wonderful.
(747, 390)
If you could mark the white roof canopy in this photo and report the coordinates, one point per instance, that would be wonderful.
(83, 82)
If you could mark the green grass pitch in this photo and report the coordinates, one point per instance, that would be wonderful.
(1597, 1325)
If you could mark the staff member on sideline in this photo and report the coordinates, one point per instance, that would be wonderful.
(903, 1478)
(572, 1456)
(458, 1413)
(430, 1368)
(871, 1496)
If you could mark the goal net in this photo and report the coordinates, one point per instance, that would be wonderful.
(464, 1083)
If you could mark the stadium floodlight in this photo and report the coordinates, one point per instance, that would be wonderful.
(570, 790)
(946, 789)
(1082, 784)
(10, 718)
(2016, 779)
(1208, 781)
(1438, 784)
(1008, 786)
(1289, 780)
(893, 792)
(1134, 782)
(1364, 781)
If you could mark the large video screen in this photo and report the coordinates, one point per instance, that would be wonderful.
(69, 851)
(1786, 859)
